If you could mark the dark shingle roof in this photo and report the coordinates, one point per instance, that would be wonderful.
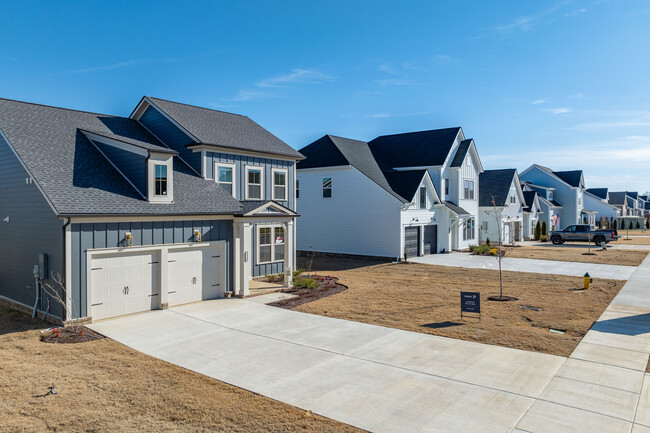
(147, 145)
(617, 197)
(78, 180)
(572, 177)
(224, 129)
(456, 209)
(634, 194)
(415, 149)
(333, 151)
(529, 199)
(495, 184)
(463, 147)
(251, 205)
(598, 192)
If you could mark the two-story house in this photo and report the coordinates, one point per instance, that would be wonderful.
(406, 194)
(173, 204)
(549, 209)
(501, 206)
(598, 200)
(569, 188)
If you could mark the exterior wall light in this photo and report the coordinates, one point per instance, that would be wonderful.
(129, 239)
(197, 236)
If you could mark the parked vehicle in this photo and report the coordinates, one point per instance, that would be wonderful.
(582, 233)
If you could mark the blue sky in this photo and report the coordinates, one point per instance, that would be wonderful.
(564, 84)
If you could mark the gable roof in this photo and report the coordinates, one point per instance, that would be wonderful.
(634, 195)
(572, 177)
(415, 149)
(77, 180)
(598, 192)
(218, 128)
(456, 209)
(495, 184)
(463, 147)
(529, 199)
(333, 151)
(617, 197)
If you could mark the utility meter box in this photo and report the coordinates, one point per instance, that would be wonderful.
(42, 266)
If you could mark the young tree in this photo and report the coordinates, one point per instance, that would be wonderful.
(538, 230)
(544, 231)
(630, 225)
(638, 226)
(502, 250)
(647, 223)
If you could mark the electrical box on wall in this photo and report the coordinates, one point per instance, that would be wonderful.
(42, 266)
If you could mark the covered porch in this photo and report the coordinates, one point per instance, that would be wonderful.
(263, 244)
(588, 217)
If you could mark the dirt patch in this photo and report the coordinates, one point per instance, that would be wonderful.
(425, 298)
(104, 386)
(327, 286)
(580, 253)
(70, 335)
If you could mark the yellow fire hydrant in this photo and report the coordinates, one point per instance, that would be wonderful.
(588, 280)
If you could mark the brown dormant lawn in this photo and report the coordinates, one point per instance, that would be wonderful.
(106, 387)
(579, 253)
(425, 298)
(633, 240)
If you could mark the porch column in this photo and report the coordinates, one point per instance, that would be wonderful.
(242, 257)
(288, 253)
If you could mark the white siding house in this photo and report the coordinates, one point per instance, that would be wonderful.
(501, 206)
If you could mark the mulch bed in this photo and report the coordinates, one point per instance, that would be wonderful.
(328, 286)
(70, 335)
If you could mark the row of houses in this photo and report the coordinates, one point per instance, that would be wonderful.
(177, 203)
(419, 193)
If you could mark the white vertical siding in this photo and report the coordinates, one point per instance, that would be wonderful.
(468, 171)
(360, 217)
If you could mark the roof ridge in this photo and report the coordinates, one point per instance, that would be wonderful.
(418, 132)
(196, 106)
(60, 108)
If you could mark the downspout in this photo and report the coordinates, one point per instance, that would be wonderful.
(65, 277)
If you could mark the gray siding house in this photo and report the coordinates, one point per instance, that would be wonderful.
(173, 204)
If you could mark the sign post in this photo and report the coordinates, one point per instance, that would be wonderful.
(470, 302)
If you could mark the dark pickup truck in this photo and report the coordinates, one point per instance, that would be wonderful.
(582, 233)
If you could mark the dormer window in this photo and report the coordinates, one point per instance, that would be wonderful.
(423, 197)
(160, 187)
(550, 195)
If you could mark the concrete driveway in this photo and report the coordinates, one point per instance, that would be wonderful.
(374, 378)
(554, 267)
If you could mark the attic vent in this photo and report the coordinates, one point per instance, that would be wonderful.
(29, 180)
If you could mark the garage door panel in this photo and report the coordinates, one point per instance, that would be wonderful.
(430, 239)
(194, 275)
(124, 283)
(412, 241)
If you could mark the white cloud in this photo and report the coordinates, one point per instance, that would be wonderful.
(529, 22)
(539, 101)
(558, 110)
(385, 115)
(105, 67)
(575, 12)
(249, 95)
(394, 82)
(577, 96)
(309, 76)
(609, 125)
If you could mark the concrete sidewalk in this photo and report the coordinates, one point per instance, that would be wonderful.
(466, 260)
(603, 386)
(375, 378)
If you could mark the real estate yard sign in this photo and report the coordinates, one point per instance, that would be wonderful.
(470, 302)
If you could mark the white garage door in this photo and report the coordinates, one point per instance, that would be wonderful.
(194, 274)
(124, 283)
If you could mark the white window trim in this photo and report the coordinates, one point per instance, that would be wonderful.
(286, 183)
(261, 169)
(234, 174)
(322, 187)
(151, 178)
(273, 244)
(426, 197)
(473, 190)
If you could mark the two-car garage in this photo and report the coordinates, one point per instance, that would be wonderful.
(133, 280)
(421, 240)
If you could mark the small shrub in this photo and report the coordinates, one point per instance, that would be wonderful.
(480, 249)
(538, 231)
(544, 231)
(305, 283)
(274, 278)
(297, 273)
(638, 226)
(631, 225)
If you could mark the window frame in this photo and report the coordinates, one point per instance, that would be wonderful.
(247, 183)
(286, 183)
(273, 243)
(156, 181)
(446, 185)
(330, 188)
(420, 204)
(218, 164)
(469, 232)
(297, 188)
(466, 190)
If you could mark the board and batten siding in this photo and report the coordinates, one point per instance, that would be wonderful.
(33, 228)
(87, 236)
(260, 270)
(360, 218)
(132, 165)
(240, 162)
(171, 136)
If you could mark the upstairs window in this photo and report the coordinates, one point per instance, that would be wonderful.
(468, 186)
(446, 186)
(297, 188)
(225, 177)
(327, 187)
(423, 197)
(253, 183)
(513, 196)
(550, 195)
(160, 180)
(279, 185)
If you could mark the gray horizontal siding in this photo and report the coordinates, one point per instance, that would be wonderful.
(132, 165)
(266, 268)
(268, 165)
(112, 235)
(33, 228)
(171, 135)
